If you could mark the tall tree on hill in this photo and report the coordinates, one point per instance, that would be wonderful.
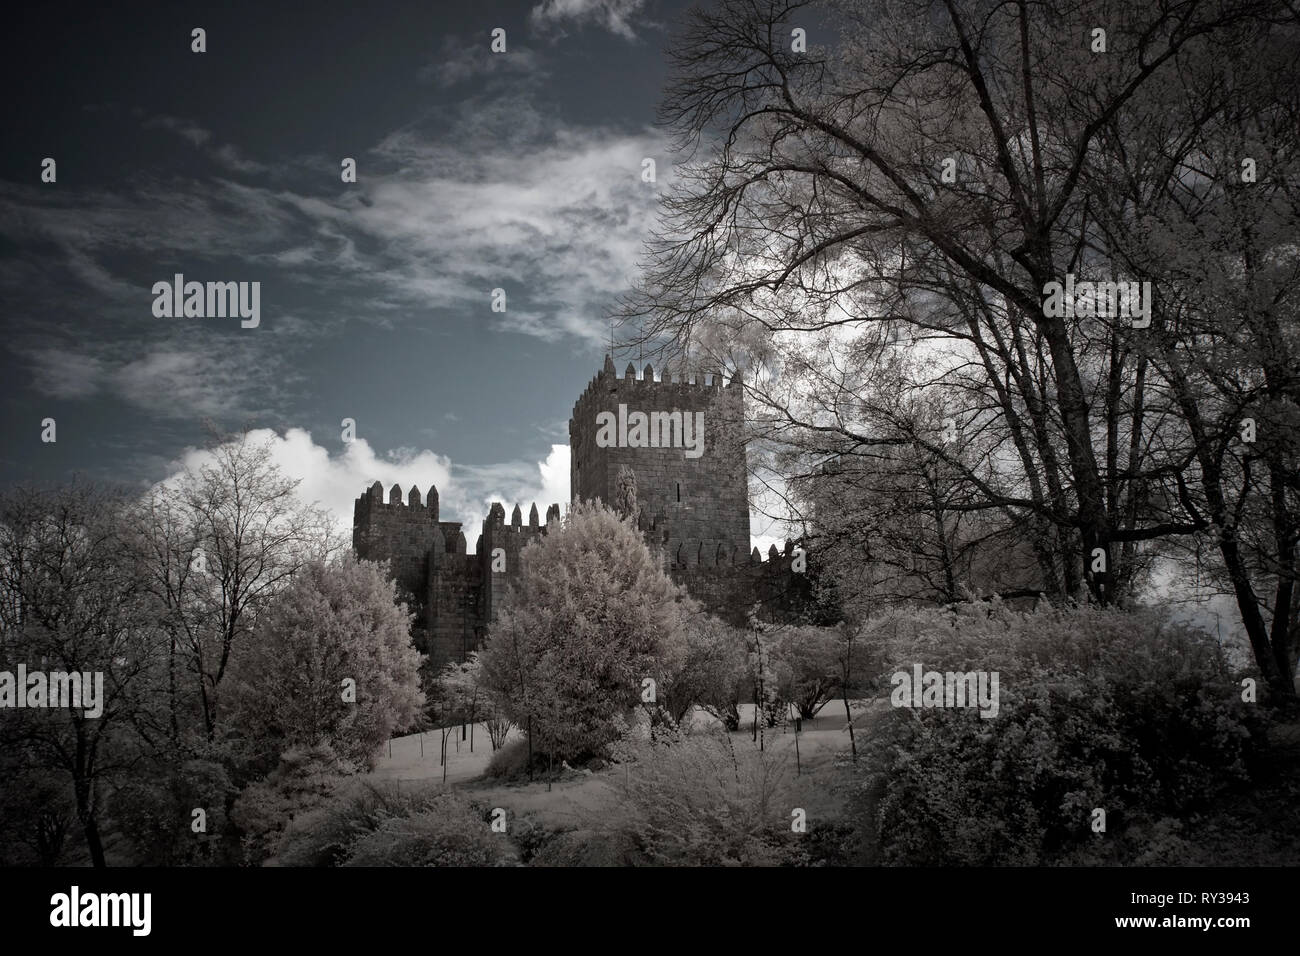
(331, 663)
(224, 538)
(879, 218)
(592, 617)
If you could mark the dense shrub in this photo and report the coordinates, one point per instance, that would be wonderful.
(373, 825)
(531, 835)
(594, 615)
(510, 763)
(1098, 708)
(702, 801)
(303, 781)
(155, 813)
(589, 848)
(447, 834)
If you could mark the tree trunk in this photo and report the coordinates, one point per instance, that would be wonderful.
(89, 826)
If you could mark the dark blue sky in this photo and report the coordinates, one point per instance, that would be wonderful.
(475, 171)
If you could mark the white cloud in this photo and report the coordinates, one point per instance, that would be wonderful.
(507, 196)
(564, 219)
(335, 480)
(613, 15)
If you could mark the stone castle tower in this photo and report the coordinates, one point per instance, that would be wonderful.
(694, 503)
(693, 508)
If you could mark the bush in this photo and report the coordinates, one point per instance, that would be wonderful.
(449, 834)
(155, 814)
(324, 836)
(371, 825)
(304, 780)
(531, 836)
(1098, 708)
(510, 763)
(589, 848)
(704, 802)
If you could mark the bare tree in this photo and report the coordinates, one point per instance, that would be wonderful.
(871, 228)
(224, 538)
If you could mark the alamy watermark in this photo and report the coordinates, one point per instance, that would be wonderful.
(57, 689)
(922, 688)
(208, 300)
(75, 909)
(651, 430)
(1131, 300)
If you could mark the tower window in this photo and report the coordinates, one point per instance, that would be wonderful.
(679, 491)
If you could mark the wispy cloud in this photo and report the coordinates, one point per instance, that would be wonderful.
(178, 377)
(461, 59)
(187, 129)
(226, 155)
(612, 15)
(498, 194)
(61, 374)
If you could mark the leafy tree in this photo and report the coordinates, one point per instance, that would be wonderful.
(713, 674)
(459, 694)
(765, 674)
(37, 814)
(71, 600)
(454, 696)
(304, 779)
(593, 615)
(812, 658)
(331, 663)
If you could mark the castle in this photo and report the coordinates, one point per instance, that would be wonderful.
(692, 509)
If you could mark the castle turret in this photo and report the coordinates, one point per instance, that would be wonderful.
(684, 443)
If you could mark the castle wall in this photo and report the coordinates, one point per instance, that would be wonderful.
(772, 589)
(453, 595)
(694, 513)
(454, 602)
(402, 533)
(510, 539)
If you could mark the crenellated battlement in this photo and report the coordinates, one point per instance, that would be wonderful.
(645, 383)
(691, 553)
(496, 519)
(374, 498)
